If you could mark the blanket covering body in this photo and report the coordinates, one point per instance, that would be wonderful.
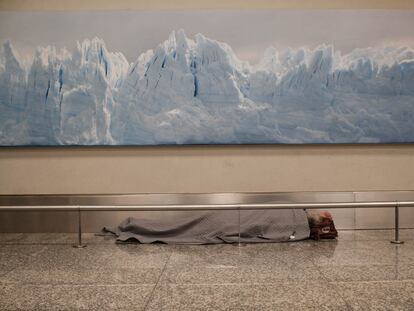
(214, 227)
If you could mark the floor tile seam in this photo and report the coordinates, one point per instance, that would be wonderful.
(12, 242)
(21, 264)
(5, 273)
(375, 281)
(335, 289)
(240, 284)
(377, 265)
(309, 282)
(378, 240)
(46, 244)
(347, 248)
(17, 239)
(240, 266)
(348, 263)
(75, 285)
(151, 294)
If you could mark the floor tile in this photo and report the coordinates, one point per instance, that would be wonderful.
(13, 256)
(363, 273)
(227, 264)
(54, 238)
(405, 272)
(43, 271)
(282, 296)
(379, 296)
(82, 276)
(334, 245)
(7, 238)
(218, 274)
(374, 235)
(73, 297)
(346, 235)
(287, 254)
(221, 254)
(87, 238)
(387, 235)
(268, 274)
(40, 238)
(386, 254)
(199, 274)
(208, 264)
(251, 254)
(96, 264)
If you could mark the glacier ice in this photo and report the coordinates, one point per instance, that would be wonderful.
(196, 91)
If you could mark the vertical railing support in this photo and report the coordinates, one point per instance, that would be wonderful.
(239, 230)
(397, 226)
(239, 243)
(79, 245)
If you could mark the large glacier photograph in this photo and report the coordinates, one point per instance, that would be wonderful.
(168, 77)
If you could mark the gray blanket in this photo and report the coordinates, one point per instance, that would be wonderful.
(212, 227)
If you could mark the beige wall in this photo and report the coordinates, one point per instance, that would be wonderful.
(205, 168)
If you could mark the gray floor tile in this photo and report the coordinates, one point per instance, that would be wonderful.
(274, 274)
(54, 238)
(216, 274)
(386, 235)
(252, 254)
(6, 238)
(199, 274)
(397, 253)
(105, 255)
(334, 245)
(225, 264)
(387, 254)
(371, 260)
(73, 297)
(290, 254)
(282, 296)
(44, 271)
(13, 256)
(40, 238)
(374, 235)
(87, 238)
(405, 272)
(81, 276)
(379, 296)
(208, 264)
(96, 264)
(362, 273)
(346, 235)
(206, 255)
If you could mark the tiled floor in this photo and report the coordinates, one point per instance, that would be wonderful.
(360, 271)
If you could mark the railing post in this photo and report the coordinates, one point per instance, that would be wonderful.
(397, 226)
(238, 241)
(79, 245)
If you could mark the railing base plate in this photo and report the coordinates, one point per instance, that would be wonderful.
(79, 246)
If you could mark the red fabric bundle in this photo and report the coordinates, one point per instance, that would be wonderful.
(322, 226)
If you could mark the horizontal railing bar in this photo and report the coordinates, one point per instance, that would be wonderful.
(206, 207)
(211, 199)
(54, 208)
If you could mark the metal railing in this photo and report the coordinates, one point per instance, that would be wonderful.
(210, 202)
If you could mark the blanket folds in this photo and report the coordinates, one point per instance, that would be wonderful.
(213, 227)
